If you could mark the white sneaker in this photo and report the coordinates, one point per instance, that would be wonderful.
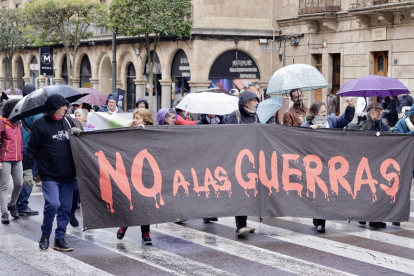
(243, 231)
(251, 229)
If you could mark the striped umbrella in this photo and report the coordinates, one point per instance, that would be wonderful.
(95, 97)
(296, 76)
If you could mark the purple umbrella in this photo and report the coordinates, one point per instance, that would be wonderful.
(373, 86)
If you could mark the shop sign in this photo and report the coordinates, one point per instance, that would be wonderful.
(181, 66)
(379, 34)
(46, 61)
(234, 64)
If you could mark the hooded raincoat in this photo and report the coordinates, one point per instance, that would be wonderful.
(245, 117)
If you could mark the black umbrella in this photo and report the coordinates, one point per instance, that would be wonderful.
(34, 103)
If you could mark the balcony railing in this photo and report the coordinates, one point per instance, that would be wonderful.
(319, 6)
(367, 3)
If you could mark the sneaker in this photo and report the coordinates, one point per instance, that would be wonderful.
(214, 219)
(396, 223)
(5, 218)
(121, 232)
(61, 245)
(252, 229)
(74, 221)
(362, 222)
(28, 212)
(44, 242)
(180, 221)
(146, 239)
(14, 211)
(377, 224)
(242, 231)
(206, 220)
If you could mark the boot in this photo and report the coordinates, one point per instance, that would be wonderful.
(61, 245)
(44, 242)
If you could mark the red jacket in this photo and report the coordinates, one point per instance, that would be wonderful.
(181, 121)
(12, 146)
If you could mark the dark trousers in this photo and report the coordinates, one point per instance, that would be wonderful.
(241, 221)
(75, 198)
(58, 200)
(145, 228)
(23, 200)
(319, 221)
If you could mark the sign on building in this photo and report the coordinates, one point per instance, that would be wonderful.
(46, 61)
(379, 34)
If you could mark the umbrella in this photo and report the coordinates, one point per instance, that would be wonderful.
(214, 89)
(33, 103)
(209, 103)
(373, 86)
(95, 97)
(267, 108)
(17, 91)
(296, 76)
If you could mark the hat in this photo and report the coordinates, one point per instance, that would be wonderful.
(78, 102)
(373, 105)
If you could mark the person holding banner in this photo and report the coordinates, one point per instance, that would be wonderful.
(49, 146)
(111, 105)
(183, 116)
(167, 116)
(317, 118)
(82, 116)
(141, 118)
(246, 114)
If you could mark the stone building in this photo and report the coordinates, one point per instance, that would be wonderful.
(230, 47)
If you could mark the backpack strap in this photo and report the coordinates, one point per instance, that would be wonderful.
(238, 116)
(68, 122)
(26, 126)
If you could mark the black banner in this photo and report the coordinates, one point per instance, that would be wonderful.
(133, 176)
(46, 61)
(234, 65)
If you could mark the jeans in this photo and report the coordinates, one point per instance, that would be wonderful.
(58, 200)
(23, 200)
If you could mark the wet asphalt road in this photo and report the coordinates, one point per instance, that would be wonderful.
(283, 246)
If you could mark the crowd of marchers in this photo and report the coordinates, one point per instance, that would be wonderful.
(39, 144)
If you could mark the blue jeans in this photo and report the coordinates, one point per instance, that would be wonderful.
(58, 200)
(333, 114)
(23, 200)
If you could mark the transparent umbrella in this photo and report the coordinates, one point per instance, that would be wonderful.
(296, 76)
(34, 103)
(268, 107)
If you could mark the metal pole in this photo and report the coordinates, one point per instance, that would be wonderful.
(114, 64)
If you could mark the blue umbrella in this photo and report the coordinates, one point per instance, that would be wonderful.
(267, 108)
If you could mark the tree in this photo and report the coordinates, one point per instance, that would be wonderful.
(150, 20)
(64, 22)
(12, 23)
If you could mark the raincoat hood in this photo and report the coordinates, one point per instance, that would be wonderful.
(27, 89)
(411, 111)
(53, 103)
(142, 100)
(244, 98)
(111, 96)
(161, 115)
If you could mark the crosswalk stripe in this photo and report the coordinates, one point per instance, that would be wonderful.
(245, 251)
(349, 251)
(149, 255)
(51, 261)
(356, 230)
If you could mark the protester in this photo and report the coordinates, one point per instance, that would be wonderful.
(246, 114)
(390, 110)
(142, 103)
(406, 125)
(75, 105)
(111, 105)
(332, 103)
(317, 119)
(361, 111)
(141, 118)
(87, 107)
(49, 146)
(167, 116)
(295, 115)
(404, 100)
(82, 115)
(374, 122)
(183, 117)
(27, 123)
(10, 162)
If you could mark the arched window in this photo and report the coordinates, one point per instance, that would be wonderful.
(85, 71)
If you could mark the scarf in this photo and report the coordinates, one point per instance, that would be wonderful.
(85, 124)
(57, 118)
(321, 121)
(251, 112)
(214, 121)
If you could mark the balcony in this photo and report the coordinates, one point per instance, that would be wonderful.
(320, 6)
(354, 4)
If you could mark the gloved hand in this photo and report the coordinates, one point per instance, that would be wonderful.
(75, 131)
(28, 179)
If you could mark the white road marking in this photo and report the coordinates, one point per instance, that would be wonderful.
(51, 262)
(249, 252)
(355, 230)
(337, 248)
(149, 255)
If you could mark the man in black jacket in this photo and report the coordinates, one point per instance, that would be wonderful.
(248, 102)
(49, 146)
